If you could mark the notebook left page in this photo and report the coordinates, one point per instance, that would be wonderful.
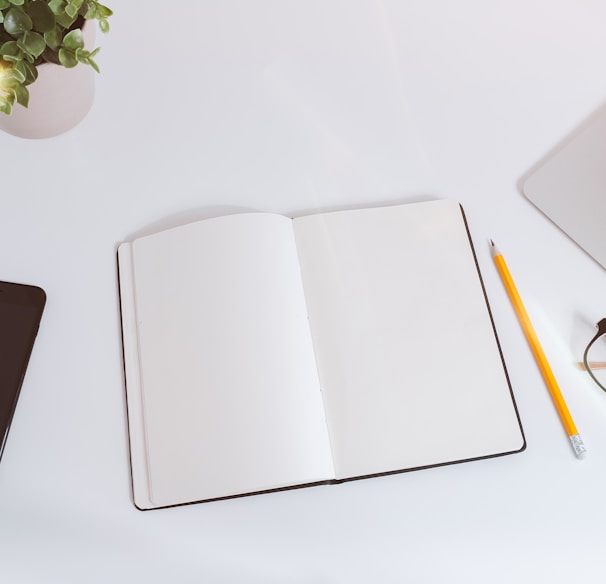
(222, 388)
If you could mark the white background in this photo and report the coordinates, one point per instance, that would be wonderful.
(292, 106)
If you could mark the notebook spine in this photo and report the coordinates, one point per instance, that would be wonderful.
(134, 402)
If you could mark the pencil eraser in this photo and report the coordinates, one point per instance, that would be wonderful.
(578, 446)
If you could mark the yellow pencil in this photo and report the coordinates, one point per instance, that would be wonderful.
(552, 385)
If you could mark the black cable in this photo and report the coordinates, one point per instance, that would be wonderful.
(601, 331)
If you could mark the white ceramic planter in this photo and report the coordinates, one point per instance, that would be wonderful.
(59, 98)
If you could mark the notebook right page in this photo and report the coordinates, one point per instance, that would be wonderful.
(408, 359)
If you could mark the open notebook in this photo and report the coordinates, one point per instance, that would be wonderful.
(264, 353)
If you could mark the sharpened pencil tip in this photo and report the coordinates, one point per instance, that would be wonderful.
(494, 250)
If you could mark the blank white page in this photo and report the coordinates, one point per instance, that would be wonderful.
(408, 360)
(230, 395)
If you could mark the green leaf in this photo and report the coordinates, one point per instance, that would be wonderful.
(29, 71)
(65, 20)
(67, 58)
(13, 53)
(57, 6)
(104, 25)
(104, 11)
(42, 16)
(53, 40)
(86, 57)
(10, 77)
(73, 40)
(10, 51)
(14, 59)
(32, 43)
(22, 95)
(17, 2)
(6, 105)
(4, 4)
(16, 21)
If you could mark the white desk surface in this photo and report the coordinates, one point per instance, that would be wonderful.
(286, 107)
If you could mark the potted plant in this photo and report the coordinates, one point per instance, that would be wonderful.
(36, 34)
